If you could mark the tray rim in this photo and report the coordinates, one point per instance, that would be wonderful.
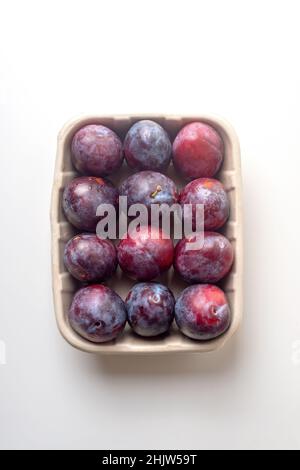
(124, 348)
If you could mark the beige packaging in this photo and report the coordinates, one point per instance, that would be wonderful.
(64, 286)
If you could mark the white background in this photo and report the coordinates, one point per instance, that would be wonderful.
(239, 59)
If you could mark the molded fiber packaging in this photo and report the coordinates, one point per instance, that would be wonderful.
(64, 286)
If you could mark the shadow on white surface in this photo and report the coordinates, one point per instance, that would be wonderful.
(171, 365)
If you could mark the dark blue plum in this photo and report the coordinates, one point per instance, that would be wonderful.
(96, 150)
(81, 198)
(150, 308)
(89, 258)
(147, 146)
(202, 312)
(149, 187)
(97, 313)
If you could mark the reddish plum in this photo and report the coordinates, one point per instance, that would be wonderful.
(145, 254)
(89, 258)
(96, 150)
(210, 193)
(150, 308)
(81, 198)
(208, 264)
(198, 151)
(202, 312)
(97, 313)
(147, 146)
(149, 187)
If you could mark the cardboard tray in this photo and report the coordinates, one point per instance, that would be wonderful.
(64, 286)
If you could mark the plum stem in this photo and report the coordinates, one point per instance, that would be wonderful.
(155, 193)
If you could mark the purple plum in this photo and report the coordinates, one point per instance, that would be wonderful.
(202, 312)
(209, 264)
(96, 150)
(147, 146)
(145, 254)
(198, 151)
(81, 198)
(89, 258)
(150, 308)
(210, 193)
(149, 187)
(97, 313)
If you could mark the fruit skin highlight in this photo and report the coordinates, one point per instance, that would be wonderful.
(96, 151)
(202, 312)
(149, 187)
(198, 151)
(210, 193)
(144, 255)
(147, 146)
(150, 308)
(97, 313)
(209, 264)
(89, 258)
(81, 198)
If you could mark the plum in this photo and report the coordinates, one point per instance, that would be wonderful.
(149, 187)
(198, 151)
(150, 308)
(96, 150)
(89, 258)
(97, 313)
(209, 264)
(81, 198)
(145, 254)
(202, 312)
(210, 193)
(147, 146)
